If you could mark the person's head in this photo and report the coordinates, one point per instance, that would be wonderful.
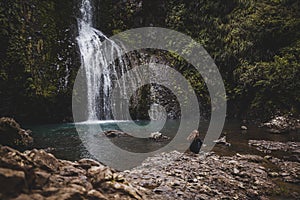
(194, 134)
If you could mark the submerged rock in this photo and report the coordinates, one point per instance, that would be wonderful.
(116, 133)
(157, 136)
(12, 134)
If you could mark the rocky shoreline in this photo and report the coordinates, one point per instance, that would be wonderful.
(39, 175)
(269, 146)
(281, 124)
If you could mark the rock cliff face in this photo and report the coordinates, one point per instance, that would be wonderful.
(38, 175)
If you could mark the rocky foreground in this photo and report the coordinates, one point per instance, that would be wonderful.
(176, 176)
(39, 175)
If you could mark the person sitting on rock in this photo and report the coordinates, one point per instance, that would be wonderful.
(196, 144)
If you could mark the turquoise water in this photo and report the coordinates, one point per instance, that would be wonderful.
(65, 142)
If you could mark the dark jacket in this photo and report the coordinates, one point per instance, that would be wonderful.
(196, 145)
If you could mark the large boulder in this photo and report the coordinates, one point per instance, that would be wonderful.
(12, 134)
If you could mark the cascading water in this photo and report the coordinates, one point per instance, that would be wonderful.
(99, 73)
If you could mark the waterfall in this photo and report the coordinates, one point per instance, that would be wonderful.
(99, 73)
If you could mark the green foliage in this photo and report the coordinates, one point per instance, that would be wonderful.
(255, 44)
(36, 57)
(272, 86)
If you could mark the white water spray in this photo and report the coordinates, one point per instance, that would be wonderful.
(98, 71)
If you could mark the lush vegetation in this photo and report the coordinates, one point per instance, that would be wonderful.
(255, 43)
(37, 54)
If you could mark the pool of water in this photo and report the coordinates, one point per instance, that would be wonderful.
(67, 143)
